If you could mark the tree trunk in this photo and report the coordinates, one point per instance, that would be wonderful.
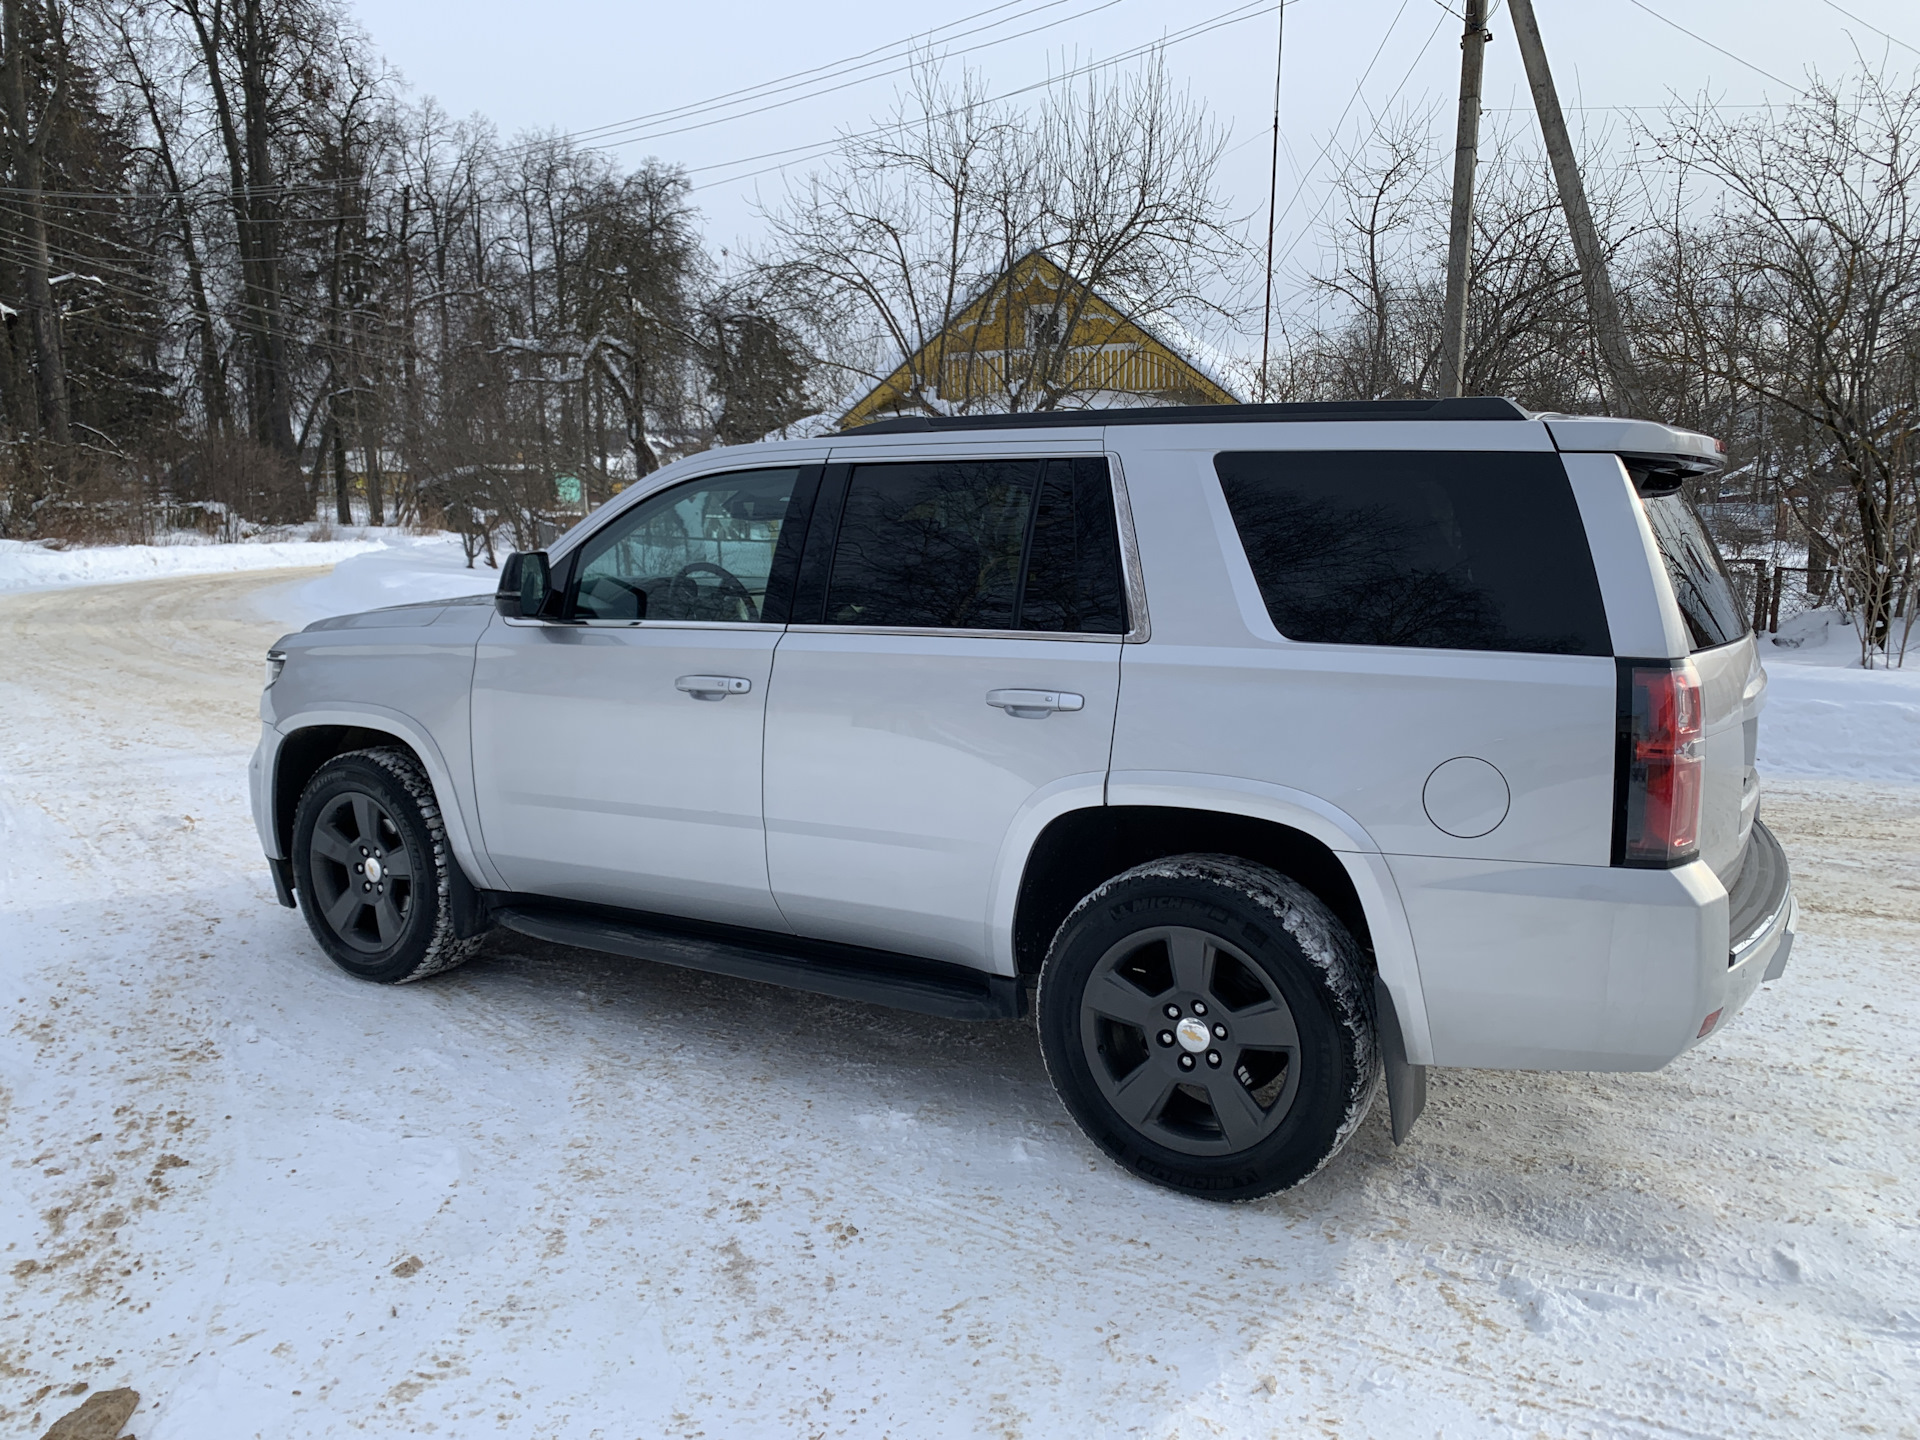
(255, 212)
(29, 152)
(342, 487)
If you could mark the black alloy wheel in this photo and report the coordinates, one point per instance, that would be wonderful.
(373, 870)
(1209, 1024)
(362, 874)
(1189, 1041)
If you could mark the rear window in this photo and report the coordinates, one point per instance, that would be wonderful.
(1707, 602)
(1446, 550)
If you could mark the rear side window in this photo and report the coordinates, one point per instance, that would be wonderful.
(978, 545)
(1073, 563)
(1450, 550)
(1700, 583)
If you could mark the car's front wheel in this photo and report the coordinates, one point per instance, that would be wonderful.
(1209, 1023)
(373, 870)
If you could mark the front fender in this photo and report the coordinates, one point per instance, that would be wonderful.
(454, 799)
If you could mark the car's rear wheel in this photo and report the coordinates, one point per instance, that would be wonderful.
(1209, 1023)
(373, 870)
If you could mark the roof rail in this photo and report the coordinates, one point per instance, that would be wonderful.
(1472, 407)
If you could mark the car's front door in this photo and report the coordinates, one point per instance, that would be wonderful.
(617, 750)
(955, 654)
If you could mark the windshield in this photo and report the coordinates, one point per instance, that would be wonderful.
(1700, 583)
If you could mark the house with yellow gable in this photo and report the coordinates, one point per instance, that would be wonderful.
(1034, 338)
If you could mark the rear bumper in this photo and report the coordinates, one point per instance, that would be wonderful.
(1569, 967)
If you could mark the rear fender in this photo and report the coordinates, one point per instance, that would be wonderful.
(1366, 868)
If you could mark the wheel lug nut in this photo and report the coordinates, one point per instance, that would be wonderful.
(363, 849)
(366, 885)
(1219, 1032)
(1186, 1062)
(1213, 1058)
(1173, 1012)
(1199, 1007)
(1166, 1037)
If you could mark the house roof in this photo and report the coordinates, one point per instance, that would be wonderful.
(1186, 368)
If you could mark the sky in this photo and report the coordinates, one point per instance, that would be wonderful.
(580, 65)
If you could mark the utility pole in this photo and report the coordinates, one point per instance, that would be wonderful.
(1602, 309)
(1273, 197)
(1466, 159)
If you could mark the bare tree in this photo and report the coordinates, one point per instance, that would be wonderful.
(922, 221)
(1799, 288)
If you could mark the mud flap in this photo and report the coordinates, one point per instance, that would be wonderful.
(470, 912)
(282, 881)
(1406, 1084)
(1777, 966)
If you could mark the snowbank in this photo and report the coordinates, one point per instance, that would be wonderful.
(371, 568)
(27, 566)
(409, 568)
(1827, 716)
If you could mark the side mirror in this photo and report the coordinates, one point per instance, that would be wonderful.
(526, 585)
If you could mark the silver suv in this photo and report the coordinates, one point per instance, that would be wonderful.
(1261, 751)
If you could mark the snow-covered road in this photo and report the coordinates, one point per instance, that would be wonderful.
(558, 1195)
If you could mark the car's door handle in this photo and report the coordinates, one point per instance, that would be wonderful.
(712, 687)
(1034, 704)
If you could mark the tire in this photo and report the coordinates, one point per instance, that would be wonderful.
(376, 806)
(1138, 986)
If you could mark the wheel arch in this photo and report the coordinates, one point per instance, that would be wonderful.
(308, 741)
(1081, 847)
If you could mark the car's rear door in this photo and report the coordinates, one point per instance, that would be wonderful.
(617, 751)
(954, 659)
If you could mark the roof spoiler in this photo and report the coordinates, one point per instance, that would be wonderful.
(1659, 458)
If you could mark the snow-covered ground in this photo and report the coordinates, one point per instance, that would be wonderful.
(556, 1194)
(1827, 716)
(392, 566)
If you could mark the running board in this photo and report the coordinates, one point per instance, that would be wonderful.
(846, 972)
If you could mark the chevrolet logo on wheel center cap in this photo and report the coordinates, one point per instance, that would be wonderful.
(1192, 1033)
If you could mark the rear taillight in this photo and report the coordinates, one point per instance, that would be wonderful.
(1657, 775)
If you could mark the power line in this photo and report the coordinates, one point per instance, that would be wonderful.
(607, 142)
(1236, 15)
(770, 86)
(1327, 200)
(1638, 4)
(1352, 100)
(1871, 26)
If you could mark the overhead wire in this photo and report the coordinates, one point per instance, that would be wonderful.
(1871, 26)
(1314, 219)
(1234, 15)
(1695, 35)
(651, 132)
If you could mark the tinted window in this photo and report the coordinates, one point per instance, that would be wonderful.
(700, 551)
(1453, 551)
(978, 545)
(1700, 583)
(1073, 564)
